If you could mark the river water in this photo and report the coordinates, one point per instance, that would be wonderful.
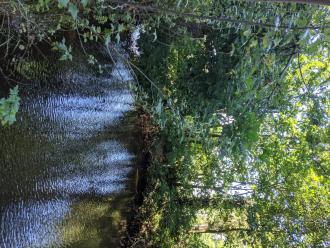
(66, 165)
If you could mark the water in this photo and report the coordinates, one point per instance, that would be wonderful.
(65, 165)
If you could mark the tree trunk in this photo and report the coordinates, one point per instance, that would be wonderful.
(204, 228)
(320, 2)
(155, 10)
(204, 202)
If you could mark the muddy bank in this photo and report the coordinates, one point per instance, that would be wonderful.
(152, 151)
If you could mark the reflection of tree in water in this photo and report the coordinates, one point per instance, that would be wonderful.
(96, 221)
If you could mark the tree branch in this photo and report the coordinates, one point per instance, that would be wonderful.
(152, 9)
(317, 2)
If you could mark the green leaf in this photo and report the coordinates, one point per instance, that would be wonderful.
(159, 107)
(265, 42)
(63, 57)
(118, 37)
(73, 10)
(107, 36)
(91, 59)
(277, 41)
(155, 36)
(232, 49)
(121, 28)
(247, 32)
(62, 3)
(84, 2)
(249, 82)
(254, 43)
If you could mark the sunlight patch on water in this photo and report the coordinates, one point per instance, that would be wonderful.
(32, 224)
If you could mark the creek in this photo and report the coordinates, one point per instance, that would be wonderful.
(67, 164)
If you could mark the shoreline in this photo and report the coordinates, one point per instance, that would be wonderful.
(136, 228)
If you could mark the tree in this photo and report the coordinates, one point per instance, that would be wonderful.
(320, 2)
(239, 91)
(235, 77)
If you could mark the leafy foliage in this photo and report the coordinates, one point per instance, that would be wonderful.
(9, 107)
(240, 93)
(244, 112)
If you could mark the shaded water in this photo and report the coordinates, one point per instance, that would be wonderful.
(65, 163)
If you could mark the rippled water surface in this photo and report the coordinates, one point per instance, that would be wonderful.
(65, 164)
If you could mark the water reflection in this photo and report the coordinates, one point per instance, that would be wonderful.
(32, 224)
(64, 165)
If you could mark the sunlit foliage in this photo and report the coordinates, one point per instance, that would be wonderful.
(240, 93)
